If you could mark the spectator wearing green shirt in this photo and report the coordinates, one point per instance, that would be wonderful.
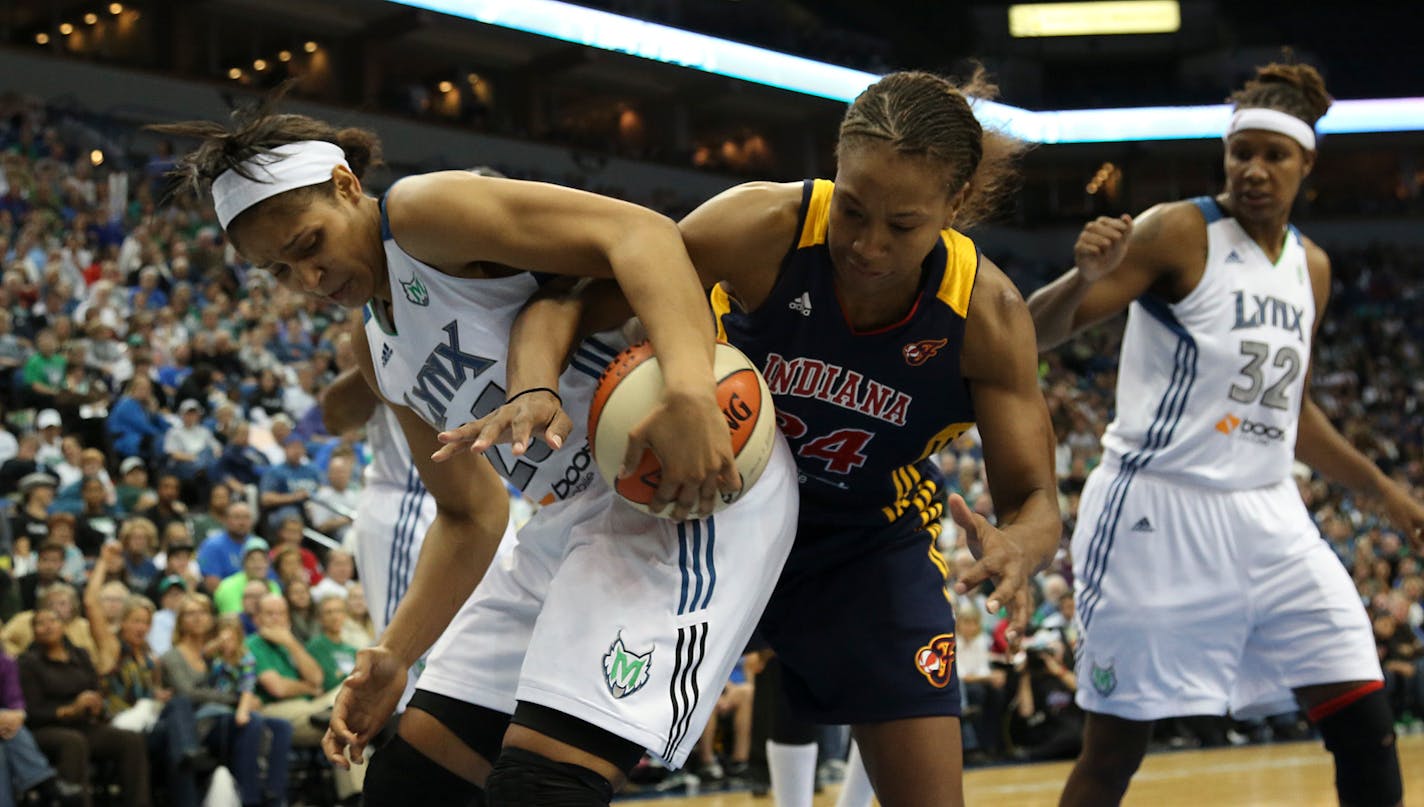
(289, 682)
(255, 566)
(44, 371)
(336, 657)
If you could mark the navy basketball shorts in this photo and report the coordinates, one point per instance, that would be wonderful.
(864, 629)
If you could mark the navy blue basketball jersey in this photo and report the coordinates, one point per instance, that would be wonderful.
(864, 411)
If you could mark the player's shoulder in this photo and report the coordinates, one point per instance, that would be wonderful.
(776, 204)
(1170, 220)
(1316, 257)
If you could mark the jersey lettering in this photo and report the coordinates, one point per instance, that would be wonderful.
(443, 373)
(811, 378)
(1260, 311)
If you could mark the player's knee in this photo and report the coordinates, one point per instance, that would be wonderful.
(1110, 762)
(400, 774)
(523, 778)
(1360, 735)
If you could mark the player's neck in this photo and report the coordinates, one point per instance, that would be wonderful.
(1268, 232)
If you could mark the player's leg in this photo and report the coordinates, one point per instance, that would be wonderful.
(1357, 725)
(1159, 603)
(442, 754)
(1112, 751)
(1313, 639)
(644, 621)
(856, 790)
(916, 761)
(791, 748)
(864, 631)
(452, 732)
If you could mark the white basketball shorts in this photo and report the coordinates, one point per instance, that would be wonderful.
(626, 621)
(1197, 601)
(390, 526)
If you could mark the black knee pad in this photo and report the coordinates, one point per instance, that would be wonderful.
(602, 743)
(400, 774)
(480, 728)
(1361, 737)
(525, 779)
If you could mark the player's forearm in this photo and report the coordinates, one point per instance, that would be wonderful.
(347, 403)
(1053, 308)
(1322, 447)
(541, 340)
(453, 560)
(657, 277)
(1036, 525)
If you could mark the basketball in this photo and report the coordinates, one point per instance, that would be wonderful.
(626, 394)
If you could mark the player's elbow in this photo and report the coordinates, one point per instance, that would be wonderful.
(475, 521)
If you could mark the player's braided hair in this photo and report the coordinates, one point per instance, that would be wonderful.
(258, 128)
(924, 114)
(1293, 88)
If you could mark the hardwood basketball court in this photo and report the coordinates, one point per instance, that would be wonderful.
(1280, 775)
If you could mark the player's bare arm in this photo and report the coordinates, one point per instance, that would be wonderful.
(347, 402)
(472, 510)
(764, 215)
(1001, 365)
(451, 219)
(1321, 446)
(1118, 260)
(541, 340)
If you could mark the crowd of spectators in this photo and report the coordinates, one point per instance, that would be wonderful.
(171, 579)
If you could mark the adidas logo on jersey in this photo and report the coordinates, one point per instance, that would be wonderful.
(386, 354)
(1143, 525)
(1233, 257)
(802, 304)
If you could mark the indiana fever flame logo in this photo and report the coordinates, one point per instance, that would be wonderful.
(917, 353)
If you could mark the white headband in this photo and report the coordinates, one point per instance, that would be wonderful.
(295, 165)
(1272, 121)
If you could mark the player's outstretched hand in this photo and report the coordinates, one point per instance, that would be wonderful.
(1405, 513)
(512, 423)
(368, 698)
(1101, 245)
(688, 434)
(998, 558)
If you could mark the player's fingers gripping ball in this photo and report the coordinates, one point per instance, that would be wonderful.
(633, 384)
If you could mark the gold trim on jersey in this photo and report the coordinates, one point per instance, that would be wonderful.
(818, 214)
(961, 264)
(721, 306)
(914, 489)
(943, 438)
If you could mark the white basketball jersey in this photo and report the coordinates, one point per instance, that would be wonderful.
(1209, 388)
(444, 357)
(390, 454)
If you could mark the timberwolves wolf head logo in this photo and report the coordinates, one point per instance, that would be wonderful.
(415, 291)
(625, 672)
(917, 353)
(1104, 678)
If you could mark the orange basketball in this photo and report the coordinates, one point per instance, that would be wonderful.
(633, 383)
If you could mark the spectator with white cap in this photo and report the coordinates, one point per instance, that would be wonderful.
(190, 448)
(48, 424)
(30, 521)
(133, 484)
